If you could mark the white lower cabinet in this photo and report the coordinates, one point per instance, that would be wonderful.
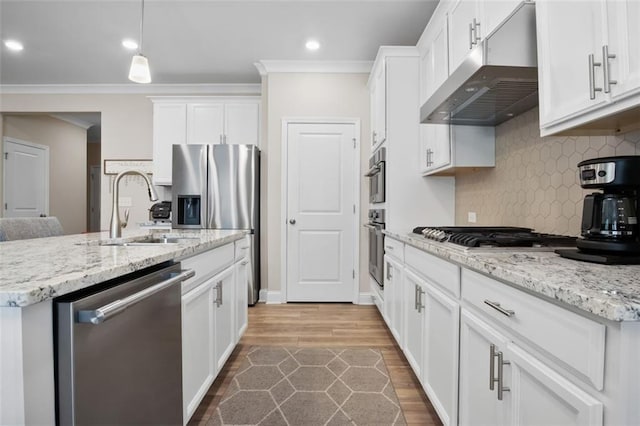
(503, 384)
(211, 314)
(198, 345)
(224, 316)
(440, 365)
(242, 296)
(392, 312)
(413, 290)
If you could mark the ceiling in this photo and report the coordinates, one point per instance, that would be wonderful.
(194, 41)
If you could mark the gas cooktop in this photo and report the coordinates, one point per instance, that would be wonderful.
(495, 237)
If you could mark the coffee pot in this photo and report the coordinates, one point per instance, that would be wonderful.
(610, 232)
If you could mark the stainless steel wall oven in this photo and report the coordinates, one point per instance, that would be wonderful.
(376, 245)
(376, 176)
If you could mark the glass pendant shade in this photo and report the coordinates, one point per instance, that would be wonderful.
(139, 71)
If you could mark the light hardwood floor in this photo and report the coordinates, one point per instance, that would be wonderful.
(327, 325)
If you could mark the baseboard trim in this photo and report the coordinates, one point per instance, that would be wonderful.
(365, 299)
(270, 297)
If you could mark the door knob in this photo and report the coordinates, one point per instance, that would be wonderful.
(292, 221)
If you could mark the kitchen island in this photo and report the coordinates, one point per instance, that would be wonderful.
(561, 337)
(34, 272)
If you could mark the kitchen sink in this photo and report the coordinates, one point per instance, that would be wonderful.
(151, 241)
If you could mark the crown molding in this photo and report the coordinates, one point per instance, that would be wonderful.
(347, 67)
(145, 89)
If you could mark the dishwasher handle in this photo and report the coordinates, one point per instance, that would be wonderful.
(105, 312)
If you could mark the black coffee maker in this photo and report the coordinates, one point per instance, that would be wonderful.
(610, 232)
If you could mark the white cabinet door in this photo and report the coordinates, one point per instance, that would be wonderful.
(414, 321)
(379, 105)
(478, 403)
(624, 42)
(393, 296)
(242, 123)
(568, 34)
(169, 127)
(494, 12)
(198, 351)
(540, 396)
(462, 37)
(243, 272)
(224, 290)
(435, 143)
(441, 339)
(205, 123)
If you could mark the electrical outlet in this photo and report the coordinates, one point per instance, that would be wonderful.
(125, 202)
(471, 217)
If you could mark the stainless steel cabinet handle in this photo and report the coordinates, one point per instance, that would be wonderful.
(592, 79)
(492, 363)
(429, 157)
(389, 274)
(420, 303)
(415, 297)
(476, 31)
(373, 171)
(497, 307)
(605, 68)
(374, 135)
(501, 387)
(470, 36)
(105, 312)
(292, 221)
(493, 354)
(218, 294)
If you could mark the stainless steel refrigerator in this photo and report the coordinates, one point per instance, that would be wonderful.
(218, 187)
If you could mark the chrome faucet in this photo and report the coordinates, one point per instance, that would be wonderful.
(115, 229)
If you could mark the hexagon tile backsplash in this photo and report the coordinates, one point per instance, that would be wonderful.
(535, 181)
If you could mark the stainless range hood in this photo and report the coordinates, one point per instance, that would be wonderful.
(497, 80)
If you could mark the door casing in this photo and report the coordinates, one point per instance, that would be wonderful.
(283, 197)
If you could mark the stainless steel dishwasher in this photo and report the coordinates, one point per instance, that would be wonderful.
(119, 351)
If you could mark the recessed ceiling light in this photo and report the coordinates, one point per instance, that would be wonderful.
(312, 45)
(14, 45)
(129, 44)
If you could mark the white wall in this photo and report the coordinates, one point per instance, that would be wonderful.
(126, 134)
(67, 164)
(307, 95)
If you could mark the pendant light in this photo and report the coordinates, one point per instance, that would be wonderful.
(139, 71)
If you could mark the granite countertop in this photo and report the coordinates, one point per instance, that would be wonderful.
(36, 270)
(608, 291)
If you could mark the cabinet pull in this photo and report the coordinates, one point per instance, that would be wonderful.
(389, 274)
(497, 307)
(218, 294)
(476, 31)
(415, 297)
(605, 68)
(373, 137)
(592, 79)
(470, 36)
(493, 354)
(429, 155)
(420, 304)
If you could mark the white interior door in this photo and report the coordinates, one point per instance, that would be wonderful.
(26, 179)
(320, 212)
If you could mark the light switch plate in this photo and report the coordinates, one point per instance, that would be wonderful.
(471, 217)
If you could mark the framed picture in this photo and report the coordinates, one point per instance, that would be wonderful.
(113, 167)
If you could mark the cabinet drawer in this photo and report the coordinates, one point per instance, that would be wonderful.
(571, 338)
(394, 248)
(243, 247)
(441, 273)
(207, 264)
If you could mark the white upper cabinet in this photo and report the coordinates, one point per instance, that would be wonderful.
(444, 148)
(378, 89)
(588, 65)
(205, 123)
(470, 21)
(200, 120)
